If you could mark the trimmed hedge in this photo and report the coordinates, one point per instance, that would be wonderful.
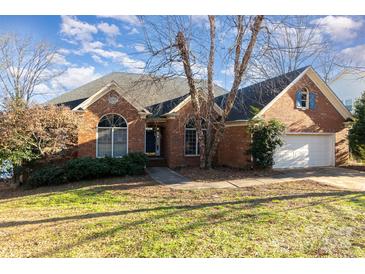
(88, 168)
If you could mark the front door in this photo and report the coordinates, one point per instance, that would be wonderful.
(153, 141)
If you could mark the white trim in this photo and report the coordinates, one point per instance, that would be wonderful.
(324, 88)
(296, 80)
(236, 123)
(180, 105)
(196, 143)
(97, 131)
(157, 139)
(339, 75)
(104, 90)
(196, 139)
(187, 100)
(328, 92)
(309, 133)
(305, 90)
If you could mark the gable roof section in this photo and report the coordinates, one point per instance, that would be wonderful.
(258, 95)
(139, 88)
(162, 108)
(328, 92)
(112, 86)
(172, 93)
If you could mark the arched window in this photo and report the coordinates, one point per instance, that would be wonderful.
(191, 138)
(112, 135)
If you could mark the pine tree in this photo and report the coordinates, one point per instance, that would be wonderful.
(357, 131)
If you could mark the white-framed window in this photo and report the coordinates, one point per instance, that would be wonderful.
(304, 99)
(191, 138)
(112, 136)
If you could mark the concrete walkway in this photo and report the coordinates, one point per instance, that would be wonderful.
(166, 176)
(343, 178)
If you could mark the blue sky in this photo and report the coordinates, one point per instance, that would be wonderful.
(92, 46)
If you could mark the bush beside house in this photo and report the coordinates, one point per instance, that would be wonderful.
(357, 131)
(266, 138)
(30, 133)
(88, 168)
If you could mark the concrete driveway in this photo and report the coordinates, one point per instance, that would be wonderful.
(344, 178)
(334, 176)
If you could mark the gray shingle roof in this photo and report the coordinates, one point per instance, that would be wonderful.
(258, 95)
(139, 88)
(161, 97)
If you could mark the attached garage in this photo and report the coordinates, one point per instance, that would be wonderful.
(306, 150)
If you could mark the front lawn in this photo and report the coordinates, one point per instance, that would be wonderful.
(137, 218)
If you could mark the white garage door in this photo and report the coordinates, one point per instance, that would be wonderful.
(305, 151)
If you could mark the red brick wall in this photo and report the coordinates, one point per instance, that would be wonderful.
(236, 141)
(233, 150)
(92, 115)
(174, 139)
(324, 118)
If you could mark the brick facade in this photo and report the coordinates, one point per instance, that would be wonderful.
(92, 115)
(233, 150)
(175, 139)
(323, 119)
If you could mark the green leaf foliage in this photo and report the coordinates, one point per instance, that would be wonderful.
(266, 138)
(88, 168)
(357, 131)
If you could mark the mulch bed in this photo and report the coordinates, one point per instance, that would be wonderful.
(222, 173)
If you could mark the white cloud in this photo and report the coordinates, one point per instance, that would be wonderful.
(130, 19)
(71, 27)
(59, 59)
(42, 89)
(90, 46)
(74, 77)
(355, 54)
(98, 60)
(339, 27)
(133, 31)
(82, 32)
(110, 30)
(130, 64)
(63, 51)
(139, 47)
(228, 70)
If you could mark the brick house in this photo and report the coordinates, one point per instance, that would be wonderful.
(124, 112)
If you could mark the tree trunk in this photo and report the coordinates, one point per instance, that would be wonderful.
(184, 53)
(240, 67)
(210, 100)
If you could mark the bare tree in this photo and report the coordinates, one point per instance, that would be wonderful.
(295, 42)
(24, 65)
(175, 41)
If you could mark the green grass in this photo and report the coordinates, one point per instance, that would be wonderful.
(136, 218)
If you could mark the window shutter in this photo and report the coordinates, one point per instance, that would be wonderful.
(298, 98)
(312, 100)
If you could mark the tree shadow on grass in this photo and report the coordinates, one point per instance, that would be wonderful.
(169, 211)
(248, 202)
(99, 185)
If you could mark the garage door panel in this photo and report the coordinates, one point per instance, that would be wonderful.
(305, 151)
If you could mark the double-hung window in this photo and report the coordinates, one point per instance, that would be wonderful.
(112, 134)
(304, 100)
(191, 138)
